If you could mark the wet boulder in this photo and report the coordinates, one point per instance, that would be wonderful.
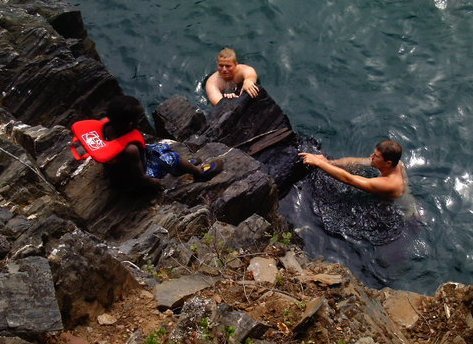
(240, 190)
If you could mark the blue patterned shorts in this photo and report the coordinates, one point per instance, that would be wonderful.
(161, 160)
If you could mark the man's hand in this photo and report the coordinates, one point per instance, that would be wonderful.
(250, 87)
(313, 159)
(230, 95)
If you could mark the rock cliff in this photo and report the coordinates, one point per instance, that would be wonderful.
(82, 262)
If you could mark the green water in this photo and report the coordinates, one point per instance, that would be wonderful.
(348, 73)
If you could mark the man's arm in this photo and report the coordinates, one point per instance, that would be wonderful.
(349, 161)
(211, 87)
(249, 80)
(379, 185)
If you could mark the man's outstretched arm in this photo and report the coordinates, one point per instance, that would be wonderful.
(378, 185)
(349, 161)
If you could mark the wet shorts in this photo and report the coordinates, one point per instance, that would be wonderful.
(161, 160)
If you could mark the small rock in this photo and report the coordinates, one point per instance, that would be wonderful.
(290, 262)
(327, 279)
(106, 319)
(366, 340)
(136, 337)
(311, 309)
(263, 269)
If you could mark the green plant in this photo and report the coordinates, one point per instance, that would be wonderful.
(301, 305)
(206, 326)
(288, 316)
(249, 341)
(230, 331)
(150, 269)
(156, 337)
(209, 239)
(280, 279)
(284, 238)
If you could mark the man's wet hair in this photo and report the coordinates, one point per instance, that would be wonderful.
(228, 53)
(390, 150)
(124, 109)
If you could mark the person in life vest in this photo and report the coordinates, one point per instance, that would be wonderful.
(139, 164)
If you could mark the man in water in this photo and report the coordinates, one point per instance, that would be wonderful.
(230, 75)
(393, 180)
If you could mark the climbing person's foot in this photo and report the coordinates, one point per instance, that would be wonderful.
(211, 169)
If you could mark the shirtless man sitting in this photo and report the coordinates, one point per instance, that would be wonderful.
(393, 180)
(229, 76)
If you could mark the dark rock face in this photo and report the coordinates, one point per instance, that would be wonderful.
(48, 78)
(28, 303)
(87, 277)
(190, 121)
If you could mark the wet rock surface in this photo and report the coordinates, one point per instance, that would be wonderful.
(89, 256)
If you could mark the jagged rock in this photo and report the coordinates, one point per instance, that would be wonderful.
(290, 262)
(311, 308)
(41, 65)
(326, 279)
(27, 299)
(87, 277)
(234, 194)
(41, 237)
(5, 216)
(403, 306)
(16, 226)
(247, 234)
(190, 121)
(49, 147)
(263, 269)
(147, 246)
(4, 246)
(136, 337)
(377, 318)
(176, 254)
(243, 326)
(22, 182)
(195, 320)
(173, 293)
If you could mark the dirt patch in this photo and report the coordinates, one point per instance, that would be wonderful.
(341, 319)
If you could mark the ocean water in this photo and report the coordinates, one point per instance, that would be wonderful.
(347, 73)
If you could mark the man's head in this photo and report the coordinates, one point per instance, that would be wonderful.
(387, 152)
(226, 63)
(124, 112)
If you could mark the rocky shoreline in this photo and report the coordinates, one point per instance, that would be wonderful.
(202, 262)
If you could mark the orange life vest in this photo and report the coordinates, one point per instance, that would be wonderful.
(89, 135)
